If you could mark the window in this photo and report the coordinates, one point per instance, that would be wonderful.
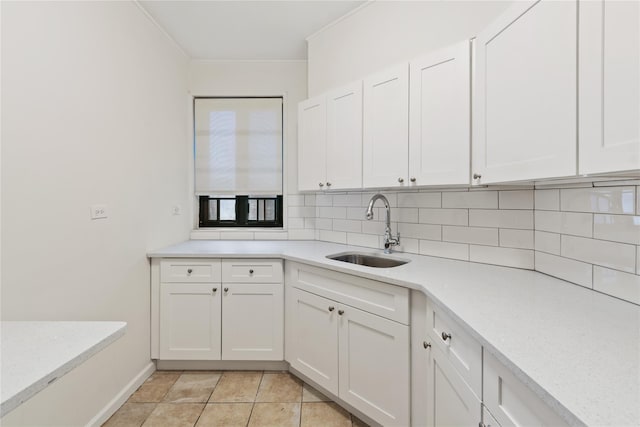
(238, 161)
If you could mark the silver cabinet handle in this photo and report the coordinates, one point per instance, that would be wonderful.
(400, 180)
(226, 289)
(413, 179)
(251, 271)
(328, 184)
(426, 344)
(331, 308)
(189, 270)
(214, 289)
(445, 336)
(340, 312)
(321, 184)
(477, 176)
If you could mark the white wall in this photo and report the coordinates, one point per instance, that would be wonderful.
(256, 78)
(94, 110)
(384, 33)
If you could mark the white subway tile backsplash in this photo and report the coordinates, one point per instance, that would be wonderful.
(473, 235)
(517, 199)
(333, 236)
(295, 222)
(619, 256)
(470, 199)
(295, 200)
(347, 225)
(324, 223)
(356, 213)
(547, 242)
(359, 239)
(302, 234)
(324, 199)
(332, 212)
(614, 200)
(522, 219)
(405, 215)
(271, 235)
(420, 231)
(420, 200)
(619, 228)
(637, 259)
(391, 197)
(547, 200)
(311, 222)
(444, 249)
(519, 258)
(310, 200)
(301, 212)
(444, 216)
(347, 200)
(564, 268)
(616, 283)
(521, 239)
(573, 223)
(236, 235)
(408, 244)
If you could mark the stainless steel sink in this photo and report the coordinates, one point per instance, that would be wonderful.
(368, 260)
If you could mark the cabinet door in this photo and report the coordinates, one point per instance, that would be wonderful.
(451, 402)
(314, 338)
(609, 86)
(525, 101)
(252, 321)
(386, 127)
(374, 366)
(190, 321)
(439, 120)
(312, 132)
(344, 137)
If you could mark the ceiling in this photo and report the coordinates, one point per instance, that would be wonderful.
(238, 29)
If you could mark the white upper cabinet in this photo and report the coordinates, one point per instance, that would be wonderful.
(439, 117)
(385, 134)
(609, 86)
(312, 133)
(344, 137)
(524, 109)
(330, 140)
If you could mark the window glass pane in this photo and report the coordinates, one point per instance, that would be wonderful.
(270, 210)
(253, 210)
(227, 210)
(260, 210)
(213, 210)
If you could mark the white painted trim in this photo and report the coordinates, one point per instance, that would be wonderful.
(336, 21)
(120, 398)
(161, 28)
(208, 365)
(247, 60)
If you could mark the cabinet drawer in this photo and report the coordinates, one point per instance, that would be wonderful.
(374, 297)
(511, 402)
(462, 350)
(190, 270)
(252, 271)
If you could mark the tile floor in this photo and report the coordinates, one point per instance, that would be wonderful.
(229, 398)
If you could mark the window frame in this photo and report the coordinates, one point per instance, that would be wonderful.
(206, 230)
(242, 212)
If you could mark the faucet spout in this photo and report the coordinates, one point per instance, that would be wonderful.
(389, 240)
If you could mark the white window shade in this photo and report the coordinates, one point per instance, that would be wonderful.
(238, 146)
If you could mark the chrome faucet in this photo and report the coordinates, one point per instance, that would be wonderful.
(389, 240)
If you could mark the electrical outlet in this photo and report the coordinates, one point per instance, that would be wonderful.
(177, 210)
(98, 211)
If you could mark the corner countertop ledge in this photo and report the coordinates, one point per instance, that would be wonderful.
(35, 354)
(577, 349)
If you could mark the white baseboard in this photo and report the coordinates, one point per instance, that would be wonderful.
(222, 365)
(111, 407)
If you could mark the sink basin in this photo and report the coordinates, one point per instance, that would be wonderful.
(368, 260)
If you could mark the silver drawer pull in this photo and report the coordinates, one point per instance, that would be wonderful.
(446, 336)
(214, 289)
(189, 270)
(332, 308)
(340, 312)
(426, 344)
(251, 271)
(226, 289)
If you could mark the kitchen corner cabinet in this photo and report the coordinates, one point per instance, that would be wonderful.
(212, 309)
(386, 128)
(330, 140)
(609, 86)
(440, 117)
(351, 336)
(524, 109)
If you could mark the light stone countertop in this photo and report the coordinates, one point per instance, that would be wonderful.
(35, 354)
(577, 349)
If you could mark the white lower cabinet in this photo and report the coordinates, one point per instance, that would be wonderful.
(236, 315)
(362, 358)
(190, 321)
(450, 401)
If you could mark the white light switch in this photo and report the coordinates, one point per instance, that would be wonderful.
(98, 211)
